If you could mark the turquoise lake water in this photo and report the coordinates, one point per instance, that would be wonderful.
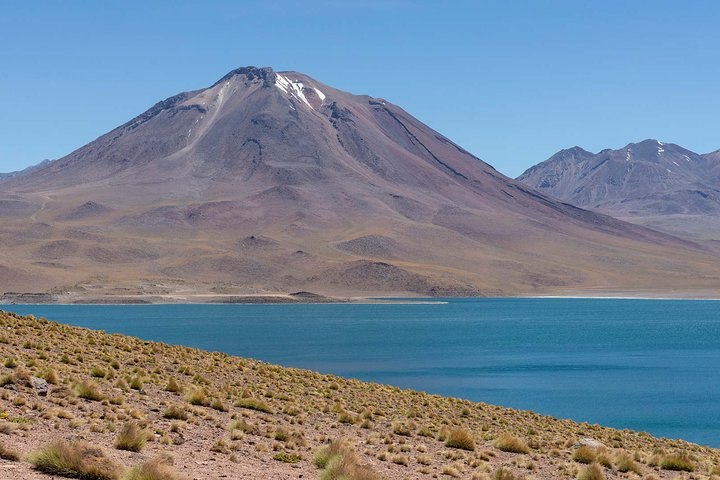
(651, 365)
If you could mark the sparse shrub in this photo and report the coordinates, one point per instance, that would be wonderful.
(460, 438)
(136, 383)
(156, 469)
(625, 463)
(173, 386)
(253, 404)
(679, 463)
(175, 412)
(10, 362)
(287, 457)
(216, 404)
(404, 429)
(604, 460)
(74, 459)
(584, 454)
(131, 438)
(339, 462)
(7, 428)
(196, 397)
(8, 453)
(291, 410)
(450, 471)
(220, 446)
(400, 460)
(89, 390)
(592, 471)
(503, 473)
(323, 456)
(510, 443)
(346, 418)
(241, 425)
(50, 376)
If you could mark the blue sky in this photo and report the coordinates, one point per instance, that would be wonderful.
(511, 81)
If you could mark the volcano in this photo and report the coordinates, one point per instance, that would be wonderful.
(271, 182)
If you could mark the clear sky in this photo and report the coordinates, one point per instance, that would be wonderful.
(511, 81)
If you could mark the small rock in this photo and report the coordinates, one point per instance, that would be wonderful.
(589, 442)
(40, 385)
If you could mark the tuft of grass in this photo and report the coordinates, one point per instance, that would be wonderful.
(339, 462)
(155, 469)
(50, 376)
(253, 404)
(197, 397)
(346, 418)
(287, 457)
(404, 429)
(450, 471)
(510, 443)
(503, 473)
(173, 386)
(176, 412)
(323, 456)
(400, 460)
(218, 405)
(89, 390)
(584, 454)
(131, 438)
(625, 463)
(136, 383)
(460, 438)
(679, 463)
(8, 453)
(74, 459)
(592, 471)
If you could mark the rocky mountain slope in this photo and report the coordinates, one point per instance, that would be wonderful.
(652, 183)
(270, 182)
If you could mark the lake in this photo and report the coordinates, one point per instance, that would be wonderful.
(651, 365)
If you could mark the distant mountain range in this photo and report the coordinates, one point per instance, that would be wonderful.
(4, 176)
(270, 182)
(661, 185)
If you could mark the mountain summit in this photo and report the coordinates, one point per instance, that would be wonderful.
(654, 183)
(274, 182)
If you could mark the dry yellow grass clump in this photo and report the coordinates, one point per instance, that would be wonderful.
(207, 415)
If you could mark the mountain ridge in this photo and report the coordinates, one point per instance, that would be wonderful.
(351, 194)
(653, 183)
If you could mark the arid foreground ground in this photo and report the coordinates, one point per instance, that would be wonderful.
(123, 408)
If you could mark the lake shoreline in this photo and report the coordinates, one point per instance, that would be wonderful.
(305, 298)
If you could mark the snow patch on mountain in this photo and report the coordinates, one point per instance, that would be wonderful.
(291, 87)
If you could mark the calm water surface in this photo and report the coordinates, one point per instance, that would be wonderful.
(651, 365)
